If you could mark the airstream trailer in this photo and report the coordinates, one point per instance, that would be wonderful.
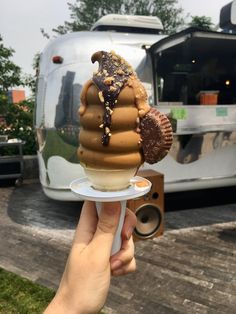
(190, 76)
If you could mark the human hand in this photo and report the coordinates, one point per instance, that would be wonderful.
(85, 283)
(123, 262)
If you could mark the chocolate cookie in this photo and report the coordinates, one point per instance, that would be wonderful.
(156, 135)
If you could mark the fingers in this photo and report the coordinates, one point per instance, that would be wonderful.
(126, 269)
(99, 233)
(129, 224)
(87, 224)
(123, 262)
(106, 228)
(124, 256)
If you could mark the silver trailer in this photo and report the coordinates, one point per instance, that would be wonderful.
(176, 71)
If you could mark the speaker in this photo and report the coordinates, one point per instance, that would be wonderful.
(149, 209)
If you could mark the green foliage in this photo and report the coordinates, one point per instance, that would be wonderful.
(17, 119)
(10, 74)
(203, 22)
(19, 295)
(84, 13)
(31, 80)
(19, 124)
(56, 145)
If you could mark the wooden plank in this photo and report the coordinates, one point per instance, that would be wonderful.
(191, 269)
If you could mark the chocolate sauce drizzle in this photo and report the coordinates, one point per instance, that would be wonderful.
(112, 74)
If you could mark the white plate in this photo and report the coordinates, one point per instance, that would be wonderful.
(84, 190)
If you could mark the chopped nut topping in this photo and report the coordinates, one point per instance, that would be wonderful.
(119, 84)
(113, 74)
(112, 88)
(109, 109)
(129, 82)
(120, 72)
(109, 80)
(101, 126)
(141, 112)
(100, 95)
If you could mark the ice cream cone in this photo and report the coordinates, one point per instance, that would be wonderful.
(110, 179)
(118, 129)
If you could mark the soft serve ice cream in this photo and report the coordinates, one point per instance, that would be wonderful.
(114, 118)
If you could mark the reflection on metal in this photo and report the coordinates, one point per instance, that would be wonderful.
(202, 179)
(56, 144)
(67, 106)
(191, 147)
(61, 138)
(58, 134)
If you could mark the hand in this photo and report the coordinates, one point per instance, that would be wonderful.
(123, 262)
(85, 283)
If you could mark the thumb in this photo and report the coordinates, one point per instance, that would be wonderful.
(107, 225)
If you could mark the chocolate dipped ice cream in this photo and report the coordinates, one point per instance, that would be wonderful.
(113, 112)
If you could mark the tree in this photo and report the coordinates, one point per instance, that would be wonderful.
(17, 119)
(203, 22)
(31, 80)
(18, 123)
(84, 13)
(10, 73)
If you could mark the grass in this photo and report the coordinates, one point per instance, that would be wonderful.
(21, 296)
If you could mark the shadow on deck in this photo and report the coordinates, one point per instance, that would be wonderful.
(190, 269)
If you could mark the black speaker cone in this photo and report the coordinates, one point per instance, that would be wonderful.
(149, 220)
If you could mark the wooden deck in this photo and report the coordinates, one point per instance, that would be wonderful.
(190, 269)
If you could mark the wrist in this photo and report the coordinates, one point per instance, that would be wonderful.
(63, 304)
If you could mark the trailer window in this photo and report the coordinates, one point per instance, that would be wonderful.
(183, 80)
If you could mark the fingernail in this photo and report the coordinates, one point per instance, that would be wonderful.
(116, 264)
(129, 233)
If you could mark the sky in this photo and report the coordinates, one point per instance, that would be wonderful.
(21, 20)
